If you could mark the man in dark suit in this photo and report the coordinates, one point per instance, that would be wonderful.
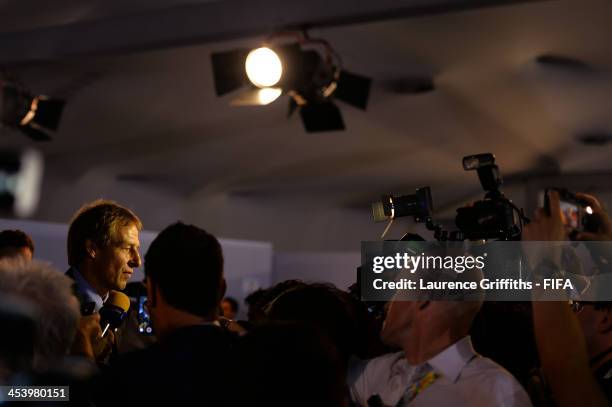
(102, 253)
(185, 285)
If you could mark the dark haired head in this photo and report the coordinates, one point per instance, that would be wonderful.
(232, 303)
(323, 306)
(259, 300)
(98, 221)
(12, 241)
(185, 263)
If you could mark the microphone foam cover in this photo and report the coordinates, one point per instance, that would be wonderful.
(119, 300)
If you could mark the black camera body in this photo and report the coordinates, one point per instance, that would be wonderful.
(494, 217)
(487, 219)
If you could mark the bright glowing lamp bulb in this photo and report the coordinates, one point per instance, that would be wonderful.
(263, 67)
(268, 95)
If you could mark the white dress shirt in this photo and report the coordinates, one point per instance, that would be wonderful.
(464, 379)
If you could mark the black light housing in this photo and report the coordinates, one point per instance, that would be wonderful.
(311, 78)
(322, 116)
(36, 116)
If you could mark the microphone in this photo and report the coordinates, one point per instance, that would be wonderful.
(114, 310)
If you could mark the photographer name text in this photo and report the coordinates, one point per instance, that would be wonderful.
(484, 284)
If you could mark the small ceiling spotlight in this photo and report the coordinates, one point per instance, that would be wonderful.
(34, 115)
(263, 67)
(308, 70)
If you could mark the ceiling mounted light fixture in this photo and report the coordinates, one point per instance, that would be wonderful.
(263, 67)
(308, 70)
(35, 115)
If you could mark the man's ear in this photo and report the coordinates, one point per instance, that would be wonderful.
(604, 324)
(90, 248)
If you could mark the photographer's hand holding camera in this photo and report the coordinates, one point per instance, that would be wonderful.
(544, 227)
(562, 336)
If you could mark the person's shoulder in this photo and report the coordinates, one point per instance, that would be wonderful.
(358, 368)
(371, 376)
(191, 337)
(387, 358)
(487, 369)
(124, 374)
(136, 359)
(500, 383)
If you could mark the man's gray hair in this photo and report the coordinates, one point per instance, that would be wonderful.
(51, 293)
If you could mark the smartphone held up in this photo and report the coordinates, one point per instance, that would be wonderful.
(577, 213)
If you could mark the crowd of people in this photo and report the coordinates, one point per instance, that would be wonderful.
(302, 344)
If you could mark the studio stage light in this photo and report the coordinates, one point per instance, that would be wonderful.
(263, 67)
(35, 115)
(308, 71)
